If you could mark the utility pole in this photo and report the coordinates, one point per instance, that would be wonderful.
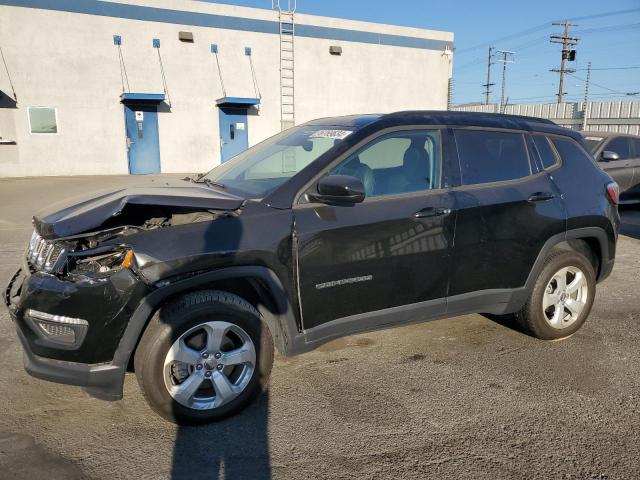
(488, 85)
(585, 105)
(504, 60)
(568, 53)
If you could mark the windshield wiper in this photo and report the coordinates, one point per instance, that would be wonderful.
(202, 179)
(210, 183)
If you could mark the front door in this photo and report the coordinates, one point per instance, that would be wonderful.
(142, 138)
(621, 170)
(234, 138)
(392, 250)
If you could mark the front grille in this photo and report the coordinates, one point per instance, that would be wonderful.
(43, 254)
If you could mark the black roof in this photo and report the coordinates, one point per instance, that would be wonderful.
(445, 117)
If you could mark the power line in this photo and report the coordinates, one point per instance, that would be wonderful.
(503, 39)
(542, 26)
(608, 68)
(607, 28)
(605, 14)
(603, 87)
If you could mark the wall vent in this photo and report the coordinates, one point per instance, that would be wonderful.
(185, 37)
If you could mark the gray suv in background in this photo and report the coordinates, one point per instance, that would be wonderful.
(618, 155)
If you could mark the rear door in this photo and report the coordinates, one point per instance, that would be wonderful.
(507, 208)
(620, 170)
(392, 250)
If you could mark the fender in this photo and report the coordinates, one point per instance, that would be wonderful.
(276, 309)
(588, 232)
(519, 296)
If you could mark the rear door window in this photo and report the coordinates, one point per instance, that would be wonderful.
(491, 156)
(620, 145)
(545, 151)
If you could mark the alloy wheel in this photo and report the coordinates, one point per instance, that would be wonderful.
(209, 365)
(565, 296)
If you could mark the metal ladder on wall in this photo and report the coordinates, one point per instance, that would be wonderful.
(286, 10)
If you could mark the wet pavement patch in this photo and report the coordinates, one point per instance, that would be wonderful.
(22, 457)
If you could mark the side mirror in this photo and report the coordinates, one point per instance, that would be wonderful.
(340, 190)
(609, 156)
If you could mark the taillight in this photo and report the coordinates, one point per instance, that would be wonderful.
(614, 192)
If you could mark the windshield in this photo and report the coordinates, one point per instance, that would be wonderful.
(264, 167)
(593, 142)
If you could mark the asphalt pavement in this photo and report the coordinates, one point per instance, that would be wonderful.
(467, 397)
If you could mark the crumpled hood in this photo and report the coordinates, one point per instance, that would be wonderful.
(87, 213)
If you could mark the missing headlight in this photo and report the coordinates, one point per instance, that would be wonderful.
(101, 263)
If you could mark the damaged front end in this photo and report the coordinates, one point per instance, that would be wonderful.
(79, 291)
(98, 254)
(81, 280)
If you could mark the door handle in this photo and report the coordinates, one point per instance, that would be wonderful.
(432, 212)
(541, 197)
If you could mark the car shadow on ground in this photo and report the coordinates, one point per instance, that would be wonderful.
(232, 449)
(237, 447)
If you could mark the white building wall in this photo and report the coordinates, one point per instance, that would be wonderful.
(68, 61)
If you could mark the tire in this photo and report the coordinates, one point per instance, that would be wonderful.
(543, 323)
(184, 330)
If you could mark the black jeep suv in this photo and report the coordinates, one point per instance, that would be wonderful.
(337, 226)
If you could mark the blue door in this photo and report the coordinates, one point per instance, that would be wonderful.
(142, 138)
(234, 138)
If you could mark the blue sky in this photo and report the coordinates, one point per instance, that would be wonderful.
(608, 41)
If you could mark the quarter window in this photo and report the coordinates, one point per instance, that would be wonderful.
(620, 145)
(547, 155)
(570, 151)
(43, 120)
(399, 162)
(491, 156)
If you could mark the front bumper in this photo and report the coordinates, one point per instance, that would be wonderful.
(106, 305)
(100, 381)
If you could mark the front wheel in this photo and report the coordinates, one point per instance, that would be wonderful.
(204, 357)
(561, 298)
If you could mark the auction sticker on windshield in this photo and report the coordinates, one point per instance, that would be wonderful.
(335, 134)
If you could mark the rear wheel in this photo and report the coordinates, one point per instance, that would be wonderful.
(562, 297)
(204, 357)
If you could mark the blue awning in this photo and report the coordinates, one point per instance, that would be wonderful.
(240, 102)
(142, 97)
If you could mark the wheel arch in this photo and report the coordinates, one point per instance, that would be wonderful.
(259, 285)
(592, 242)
